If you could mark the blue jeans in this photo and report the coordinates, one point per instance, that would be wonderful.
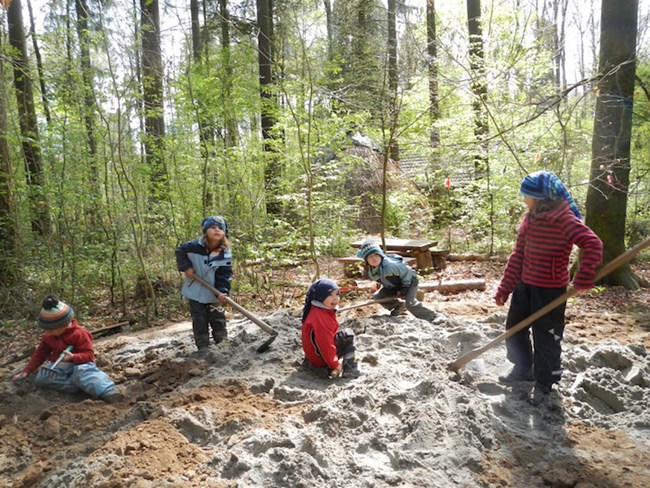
(85, 377)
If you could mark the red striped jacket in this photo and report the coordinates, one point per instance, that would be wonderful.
(542, 250)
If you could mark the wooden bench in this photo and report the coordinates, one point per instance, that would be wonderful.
(439, 258)
(417, 248)
(354, 266)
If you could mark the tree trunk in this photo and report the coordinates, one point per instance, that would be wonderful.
(229, 119)
(8, 231)
(328, 23)
(393, 116)
(152, 90)
(39, 64)
(432, 52)
(610, 162)
(88, 114)
(27, 119)
(478, 85)
(196, 31)
(265, 62)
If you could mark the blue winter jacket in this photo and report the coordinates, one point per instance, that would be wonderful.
(215, 268)
(393, 274)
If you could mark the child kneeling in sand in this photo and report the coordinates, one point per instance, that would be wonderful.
(322, 341)
(77, 370)
(397, 280)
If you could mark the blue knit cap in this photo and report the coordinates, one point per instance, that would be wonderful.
(369, 247)
(319, 291)
(544, 185)
(217, 220)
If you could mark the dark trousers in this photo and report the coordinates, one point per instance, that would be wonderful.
(413, 305)
(204, 315)
(547, 332)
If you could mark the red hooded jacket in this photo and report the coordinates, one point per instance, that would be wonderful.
(52, 346)
(318, 331)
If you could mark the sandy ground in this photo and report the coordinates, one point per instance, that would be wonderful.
(239, 418)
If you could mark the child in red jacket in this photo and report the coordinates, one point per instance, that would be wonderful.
(77, 370)
(322, 341)
(537, 273)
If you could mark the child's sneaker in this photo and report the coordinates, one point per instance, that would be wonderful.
(517, 374)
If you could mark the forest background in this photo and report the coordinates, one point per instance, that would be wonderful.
(307, 124)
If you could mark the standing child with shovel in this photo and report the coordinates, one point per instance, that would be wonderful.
(210, 258)
(69, 348)
(537, 273)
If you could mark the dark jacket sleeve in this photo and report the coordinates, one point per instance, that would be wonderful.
(182, 260)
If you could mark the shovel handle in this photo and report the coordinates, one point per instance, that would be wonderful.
(252, 317)
(604, 271)
(369, 302)
(61, 356)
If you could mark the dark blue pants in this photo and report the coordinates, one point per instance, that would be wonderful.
(546, 348)
(204, 315)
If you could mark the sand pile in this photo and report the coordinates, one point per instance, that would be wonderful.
(239, 418)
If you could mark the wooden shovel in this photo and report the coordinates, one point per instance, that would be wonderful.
(369, 302)
(608, 268)
(252, 317)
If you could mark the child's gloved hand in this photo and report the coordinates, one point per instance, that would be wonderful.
(19, 376)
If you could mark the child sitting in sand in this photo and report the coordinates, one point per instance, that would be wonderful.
(77, 370)
(322, 341)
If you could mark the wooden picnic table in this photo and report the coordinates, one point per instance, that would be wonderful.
(418, 248)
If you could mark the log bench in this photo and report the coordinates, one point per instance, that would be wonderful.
(417, 248)
(354, 266)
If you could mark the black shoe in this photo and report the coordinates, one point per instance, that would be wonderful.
(517, 374)
(113, 397)
(398, 310)
(540, 394)
(351, 369)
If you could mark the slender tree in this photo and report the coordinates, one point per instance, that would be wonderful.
(8, 231)
(152, 90)
(88, 112)
(27, 119)
(478, 85)
(392, 77)
(610, 160)
(265, 62)
(432, 52)
(39, 63)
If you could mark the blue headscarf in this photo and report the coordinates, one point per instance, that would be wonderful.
(544, 185)
(318, 291)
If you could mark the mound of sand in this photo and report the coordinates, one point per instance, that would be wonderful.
(239, 418)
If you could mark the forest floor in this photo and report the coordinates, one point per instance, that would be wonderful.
(241, 418)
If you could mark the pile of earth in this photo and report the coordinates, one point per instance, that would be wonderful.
(242, 418)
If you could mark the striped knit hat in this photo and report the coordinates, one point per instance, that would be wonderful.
(54, 314)
(369, 247)
(544, 185)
